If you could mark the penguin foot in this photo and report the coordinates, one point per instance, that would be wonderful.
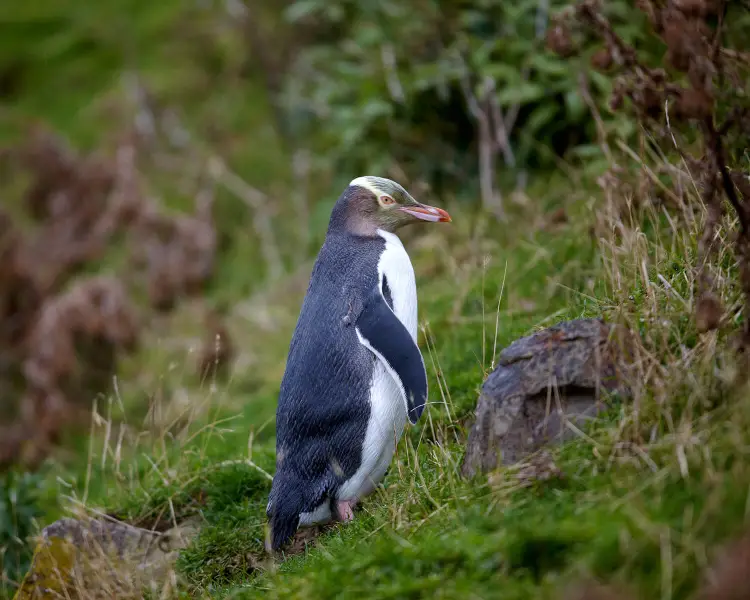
(345, 508)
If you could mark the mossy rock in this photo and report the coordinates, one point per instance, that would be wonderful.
(106, 558)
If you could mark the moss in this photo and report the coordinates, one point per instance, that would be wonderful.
(228, 552)
(51, 570)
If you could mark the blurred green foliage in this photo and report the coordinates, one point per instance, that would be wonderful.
(393, 82)
(19, 509)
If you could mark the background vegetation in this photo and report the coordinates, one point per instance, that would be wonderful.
(238, 124)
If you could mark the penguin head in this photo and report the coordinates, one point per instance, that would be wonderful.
(371, 203)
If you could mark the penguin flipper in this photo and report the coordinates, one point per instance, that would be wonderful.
(381, 331)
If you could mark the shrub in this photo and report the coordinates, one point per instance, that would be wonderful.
(417, 84)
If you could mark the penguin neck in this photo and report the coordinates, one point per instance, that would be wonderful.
(354, 226)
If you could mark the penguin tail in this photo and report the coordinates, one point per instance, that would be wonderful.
(283, 512)
(283, 528)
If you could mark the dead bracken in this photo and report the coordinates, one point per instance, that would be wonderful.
(176, 253)
(61, 333)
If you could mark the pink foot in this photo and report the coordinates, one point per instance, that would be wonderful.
(345, 510)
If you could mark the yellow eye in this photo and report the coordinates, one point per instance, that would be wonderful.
(387, 200)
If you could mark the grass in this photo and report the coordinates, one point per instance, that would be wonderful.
(647, 493)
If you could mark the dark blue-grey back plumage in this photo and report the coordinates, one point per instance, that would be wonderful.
(323, 407)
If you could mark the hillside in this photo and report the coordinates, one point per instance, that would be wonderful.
(577, 211)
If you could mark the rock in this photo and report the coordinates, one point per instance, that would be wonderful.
(518, 409)
(102, 557)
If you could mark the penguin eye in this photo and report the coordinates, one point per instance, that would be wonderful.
(386, 200)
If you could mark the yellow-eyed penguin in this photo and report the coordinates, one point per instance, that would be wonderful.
(354, 373)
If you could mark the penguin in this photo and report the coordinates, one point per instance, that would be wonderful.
(354, 373)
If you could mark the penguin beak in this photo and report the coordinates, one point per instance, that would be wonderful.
(427, 213)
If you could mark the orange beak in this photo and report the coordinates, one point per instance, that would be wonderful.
(427, 213)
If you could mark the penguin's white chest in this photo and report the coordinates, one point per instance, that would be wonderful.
(387, 409)
(395, 268)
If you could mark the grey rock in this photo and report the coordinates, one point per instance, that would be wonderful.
(541, 381)
(104, 557)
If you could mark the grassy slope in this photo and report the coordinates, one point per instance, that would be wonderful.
(459, 310)
(646, 493)
(647, 512)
